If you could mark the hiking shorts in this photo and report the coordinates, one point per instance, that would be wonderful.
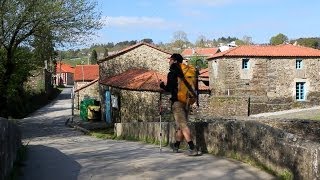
(180, 114)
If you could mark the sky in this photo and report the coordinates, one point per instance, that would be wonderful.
(158, 20)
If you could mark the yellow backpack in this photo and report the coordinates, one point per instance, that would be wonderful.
(187, 86)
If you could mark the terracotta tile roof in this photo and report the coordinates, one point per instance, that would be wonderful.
(140, 80)
(90, 72)
(204, 72)
(131, 48)
(203, 87)
(200, 51)
(65, 68)
(87, 85)
(136, 79)
(285, 50)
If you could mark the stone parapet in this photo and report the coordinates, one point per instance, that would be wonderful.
(270, 147)
(10, 142)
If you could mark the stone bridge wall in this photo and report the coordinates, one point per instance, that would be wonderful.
(10, 142)
(244, 139)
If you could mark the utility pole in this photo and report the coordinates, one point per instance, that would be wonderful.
(82, 64)
(60, 69)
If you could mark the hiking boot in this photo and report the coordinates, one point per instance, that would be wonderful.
(174, 148)
(193, 152)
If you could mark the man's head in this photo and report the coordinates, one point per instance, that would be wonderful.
(176, 58)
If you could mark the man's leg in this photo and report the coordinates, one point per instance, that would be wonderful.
(180, 116)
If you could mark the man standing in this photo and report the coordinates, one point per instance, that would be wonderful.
(179, 109)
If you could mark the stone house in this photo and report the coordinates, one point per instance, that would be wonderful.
(265, 78)
(64, 74)
(86, 83)
(141, 56)
(135, 96)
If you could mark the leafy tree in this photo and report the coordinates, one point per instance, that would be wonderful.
(147, 40)
(278, 39)
(94, 57)
(68, 21)
(240, 42)
(197, 61)
(308, 42)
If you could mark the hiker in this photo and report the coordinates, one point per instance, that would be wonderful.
(179, 109)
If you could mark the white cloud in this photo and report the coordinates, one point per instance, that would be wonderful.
(137, 22)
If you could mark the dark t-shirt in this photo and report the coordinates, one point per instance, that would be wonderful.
(172, 81)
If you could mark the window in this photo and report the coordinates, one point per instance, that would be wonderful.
(300, 91)
(245, 63)
(298, 64)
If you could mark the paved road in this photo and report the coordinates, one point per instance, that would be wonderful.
(312, 113)
(60, 153)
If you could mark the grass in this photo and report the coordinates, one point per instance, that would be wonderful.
(317, 118)
(107, 133)
(19, 163)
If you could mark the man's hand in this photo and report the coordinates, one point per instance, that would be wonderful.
(162, 85)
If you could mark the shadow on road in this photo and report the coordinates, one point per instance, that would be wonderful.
(49, 163)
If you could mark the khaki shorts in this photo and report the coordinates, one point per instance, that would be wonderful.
(180, 114)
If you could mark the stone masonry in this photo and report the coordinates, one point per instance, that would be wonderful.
(269, 82)
(91, 91)
(142, 56)
(248, 140)
(10, 142)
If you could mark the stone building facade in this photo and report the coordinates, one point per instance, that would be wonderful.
(272, 78)
(86, 90)
(140, 56)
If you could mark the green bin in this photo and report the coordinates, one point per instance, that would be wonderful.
(93, 112)
(84, 108)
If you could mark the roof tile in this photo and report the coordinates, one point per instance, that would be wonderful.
(200, 51)
(136, 79)
(285, 50)
(86, 72)
(140, 80)
(65, 68)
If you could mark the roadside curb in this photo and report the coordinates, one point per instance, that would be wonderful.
(76, 127)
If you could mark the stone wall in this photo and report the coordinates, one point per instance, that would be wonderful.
(137, 106)
(228, 106)
(91, 91)
(143, 57)
(269, 79)
(250, 140)
(39, 81)
(10, 142)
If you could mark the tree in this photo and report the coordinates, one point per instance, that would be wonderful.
(93, 57)
(308, 42)
(278, 39)
(147, 40)
(21, 22)
(201, 42)
(180, 39)
(247, 40)
(197, 61)
(105, 53)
